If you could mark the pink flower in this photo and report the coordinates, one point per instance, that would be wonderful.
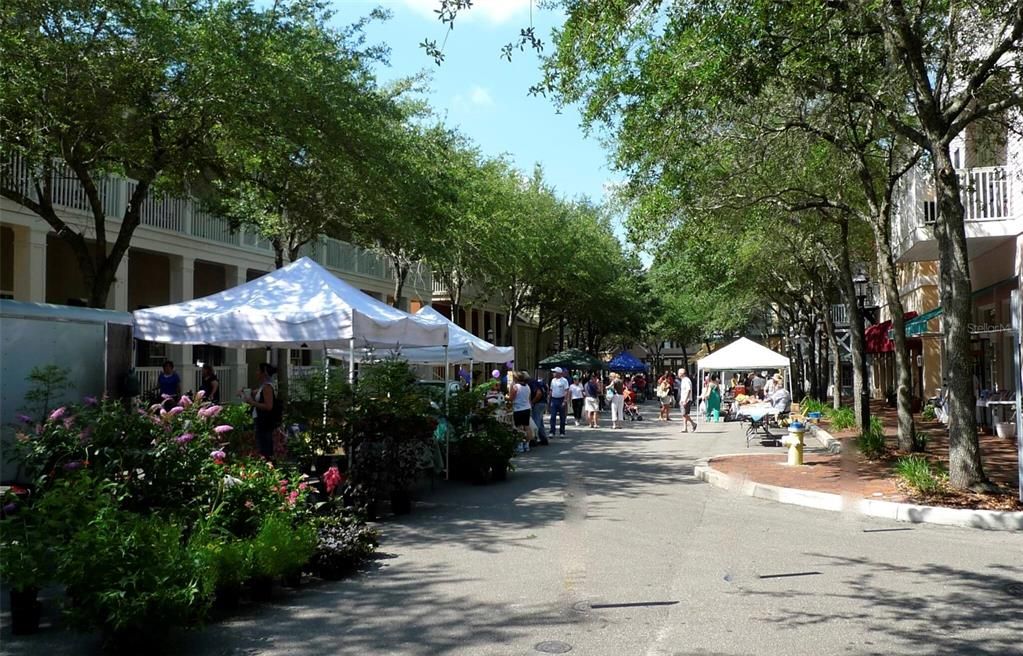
(167, 397)
(303, 486)
(176, 410)
(210, 411)
(223, 428)
(200, 395)
(57, 414)
(292, 498)
(332, 479)
(218, 456)
(90, 400)
(184, 401)
(68, 422)
(184, 439)
(155, 407)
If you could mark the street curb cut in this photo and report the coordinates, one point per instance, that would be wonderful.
(993, 520)
(830, 444)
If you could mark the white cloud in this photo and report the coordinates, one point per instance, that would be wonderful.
(492, 11)
(480, 96)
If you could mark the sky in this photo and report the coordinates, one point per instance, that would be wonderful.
(485, 96)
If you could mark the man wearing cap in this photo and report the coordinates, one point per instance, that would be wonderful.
(559, 397)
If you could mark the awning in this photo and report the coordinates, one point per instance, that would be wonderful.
(880, 338)
(918, 326)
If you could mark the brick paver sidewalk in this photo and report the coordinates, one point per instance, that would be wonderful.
(851, 475)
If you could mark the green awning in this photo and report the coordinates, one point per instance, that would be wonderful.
(918, 324)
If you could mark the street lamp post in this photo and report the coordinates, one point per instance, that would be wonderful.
(861, 283)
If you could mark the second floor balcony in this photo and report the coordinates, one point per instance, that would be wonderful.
(992, 198)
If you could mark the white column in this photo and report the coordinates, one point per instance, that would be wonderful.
(30, 263)
(234, 276)
(118, 299)
(182, 285)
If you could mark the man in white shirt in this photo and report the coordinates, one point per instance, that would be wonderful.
(781, 400)
(685, 399)
(559, 397)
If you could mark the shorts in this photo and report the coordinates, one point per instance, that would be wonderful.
(687, 407)
(522, 417)
(668, 400)
(592, 404)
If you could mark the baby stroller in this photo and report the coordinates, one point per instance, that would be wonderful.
(631, 409)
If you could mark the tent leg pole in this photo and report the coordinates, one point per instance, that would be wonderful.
(326, 384)
(447, 433)
(351, 381)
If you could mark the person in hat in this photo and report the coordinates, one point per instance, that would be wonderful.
(772, 385)
(559, 397)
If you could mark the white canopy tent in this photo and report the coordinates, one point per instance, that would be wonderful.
(462, 345)
(300, 305)
(744, 354)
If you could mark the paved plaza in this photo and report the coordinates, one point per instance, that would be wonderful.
(604, 543)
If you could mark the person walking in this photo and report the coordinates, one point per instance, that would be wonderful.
(578, 395)
(685, 400)
(559, 399)
(520, 394)
(539, 400)
(592, 400)
(262, 398)
(617, 389)
(665, 387)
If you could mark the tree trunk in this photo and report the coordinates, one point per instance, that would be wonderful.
(539, 331)
(903, 361)
(966, 470)
(401, 271)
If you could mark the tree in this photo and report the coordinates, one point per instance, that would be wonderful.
(95, 87)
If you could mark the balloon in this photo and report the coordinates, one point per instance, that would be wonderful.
(495, 374)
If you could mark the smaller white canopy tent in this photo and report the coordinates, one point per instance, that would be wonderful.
(744, 354)
(300, 305)
(463, 346)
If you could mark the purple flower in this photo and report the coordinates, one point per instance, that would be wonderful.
(90, 400)
(223, 428)
(210, 411)
(73, 465)
(68, 422)
(184, 401)
(184, 439)
(166, 397)
(218, 455)
(58, 413)
(10, 508)
(25, 419)
(176, 410)
(155, 407)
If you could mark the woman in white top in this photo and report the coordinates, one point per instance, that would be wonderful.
(521, 407)
(576, 390)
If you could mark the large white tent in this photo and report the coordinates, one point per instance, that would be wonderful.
(463, 346)
(300, 305)
(744, 354)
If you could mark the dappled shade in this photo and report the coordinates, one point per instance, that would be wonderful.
(572, 359)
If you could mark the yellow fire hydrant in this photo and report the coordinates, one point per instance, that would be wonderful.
(794, 440)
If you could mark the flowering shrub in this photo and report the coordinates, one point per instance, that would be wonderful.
(343, 542)
(280, 547)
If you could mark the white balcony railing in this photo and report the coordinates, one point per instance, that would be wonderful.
(231, 377)
(184, 215)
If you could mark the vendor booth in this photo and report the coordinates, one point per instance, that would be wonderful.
(627, 363)
(744, 355)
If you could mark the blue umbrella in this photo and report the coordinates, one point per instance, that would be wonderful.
(626, 362)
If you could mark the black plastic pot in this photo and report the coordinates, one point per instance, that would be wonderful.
(261, 588)
(25, 611)
(401, 502)
(499, 471)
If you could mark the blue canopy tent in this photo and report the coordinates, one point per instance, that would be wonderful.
(627, 363)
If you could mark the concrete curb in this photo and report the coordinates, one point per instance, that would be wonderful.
(830, 444)
(992, 520)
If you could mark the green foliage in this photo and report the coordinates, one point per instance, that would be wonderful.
(26, 544)
(343, 542)
(280, 548)
(808, 405)
(45, 386)
(924, 477)
(929, 412)
(842, 418)
(871, 443)
(132, 573)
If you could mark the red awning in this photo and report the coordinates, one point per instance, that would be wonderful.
(876, 336)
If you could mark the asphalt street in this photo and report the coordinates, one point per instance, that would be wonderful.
(604, 544)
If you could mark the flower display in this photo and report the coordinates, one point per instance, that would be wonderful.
(210, 411)
(57, 414)
(223, 428)
(184, 439)
(332, 478)
(184, 401)
(218, 456)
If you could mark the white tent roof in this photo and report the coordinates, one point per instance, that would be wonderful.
(463, 346)
(300, 304)
(743, 354)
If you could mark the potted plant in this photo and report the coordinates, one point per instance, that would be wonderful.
(24, 564)
(342, 542)
(279, 549)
